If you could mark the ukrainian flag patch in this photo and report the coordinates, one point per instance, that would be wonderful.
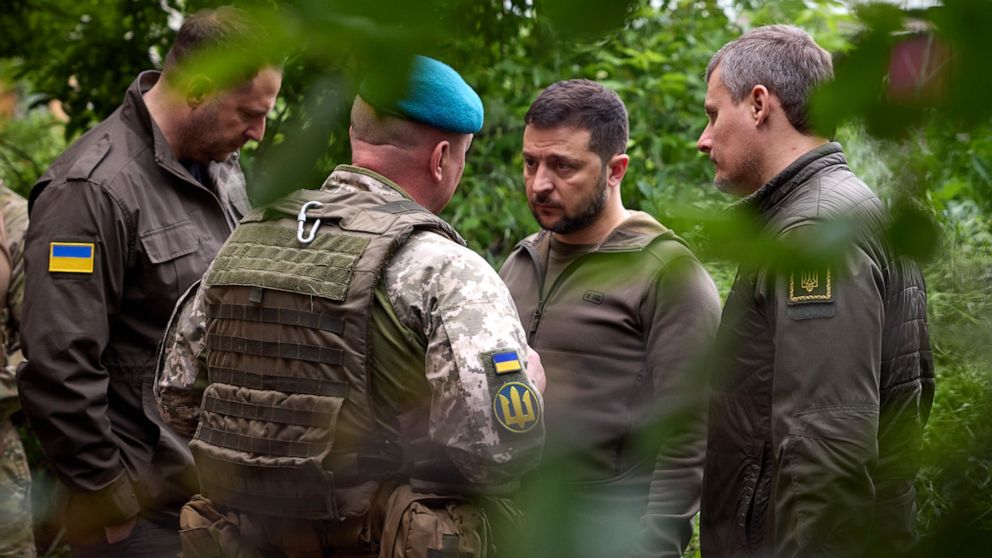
(506, 362)
(71, 257)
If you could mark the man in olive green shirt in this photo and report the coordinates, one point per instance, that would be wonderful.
(619, 308)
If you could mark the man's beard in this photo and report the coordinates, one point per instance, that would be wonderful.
(569, 224)
(201, 139)
(745, 179)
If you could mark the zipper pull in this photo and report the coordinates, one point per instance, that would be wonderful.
(535, 321)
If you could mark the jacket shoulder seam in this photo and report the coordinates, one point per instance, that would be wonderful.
(129, 223)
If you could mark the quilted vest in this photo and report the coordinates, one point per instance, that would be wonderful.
(287, 422)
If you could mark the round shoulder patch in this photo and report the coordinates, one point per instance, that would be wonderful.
(517, 407)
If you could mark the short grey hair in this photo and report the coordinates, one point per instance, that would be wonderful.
(783, 58)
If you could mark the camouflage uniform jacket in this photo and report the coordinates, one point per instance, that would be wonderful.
(139, 229)
(457, 317)
(15, 219)
(15, 479)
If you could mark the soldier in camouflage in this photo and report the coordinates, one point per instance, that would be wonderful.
(16, 537)
(451, 381)
(178, 384)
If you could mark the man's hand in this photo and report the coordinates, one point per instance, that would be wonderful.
(535, 370)
(117, 533)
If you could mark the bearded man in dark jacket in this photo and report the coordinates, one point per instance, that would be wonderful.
(817, 413)
(123, 223)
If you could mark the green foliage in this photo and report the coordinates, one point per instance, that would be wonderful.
(85, 52)
(933, 163)
(909, 67)
(29, 140)
(956, 477)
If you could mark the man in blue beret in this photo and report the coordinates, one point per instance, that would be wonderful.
(354, 378)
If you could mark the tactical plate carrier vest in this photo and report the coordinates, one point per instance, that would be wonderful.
(287, 425)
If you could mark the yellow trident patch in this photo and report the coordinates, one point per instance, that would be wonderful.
(810, 281)
(813, 286)
(517, 407)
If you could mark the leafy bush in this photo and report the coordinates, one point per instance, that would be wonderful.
(935, 169)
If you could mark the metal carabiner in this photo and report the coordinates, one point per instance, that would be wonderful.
(301, 221)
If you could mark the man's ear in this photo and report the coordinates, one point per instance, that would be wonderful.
(439, 156)
(616, 168)
(761, 104)
(197, 90)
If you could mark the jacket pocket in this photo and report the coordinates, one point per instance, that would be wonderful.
(172, 261)
(757, 510)
(170, 242)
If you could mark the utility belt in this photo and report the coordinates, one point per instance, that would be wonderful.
(303, 490)
(401, 523)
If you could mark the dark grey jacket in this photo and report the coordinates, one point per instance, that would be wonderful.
(619, 333)
(91, 337)
(818, 408)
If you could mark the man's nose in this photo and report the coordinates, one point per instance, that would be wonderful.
(705, 141)
(543, 180)
(257, 130)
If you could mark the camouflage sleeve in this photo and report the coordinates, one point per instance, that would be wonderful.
(483, 410)
(15, 220)
(180, 376)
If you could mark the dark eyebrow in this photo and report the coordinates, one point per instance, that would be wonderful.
(564, 159)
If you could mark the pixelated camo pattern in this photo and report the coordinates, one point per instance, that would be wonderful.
(178, 383)
(344, 181)
(15, 479)
(465, 311)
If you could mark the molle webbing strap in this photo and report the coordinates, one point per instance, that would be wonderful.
(280, 316)
(360, 463)
(421, 218)
(258, 444)
(303, 491)
(275, 349)
(402, 206)
(268, 255)
(267, 413)
(285, 384)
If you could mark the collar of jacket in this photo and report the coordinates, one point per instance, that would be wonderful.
(348, 182)
(794, 176)
(363, 179)
(632, 234)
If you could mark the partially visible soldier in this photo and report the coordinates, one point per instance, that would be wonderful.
(366, 375)
(16, 538)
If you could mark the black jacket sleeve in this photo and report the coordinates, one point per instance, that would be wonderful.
(825, 404)
(66, 327)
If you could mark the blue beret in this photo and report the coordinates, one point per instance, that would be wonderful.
(436, 95)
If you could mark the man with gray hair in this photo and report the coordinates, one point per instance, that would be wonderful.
(826, 375)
